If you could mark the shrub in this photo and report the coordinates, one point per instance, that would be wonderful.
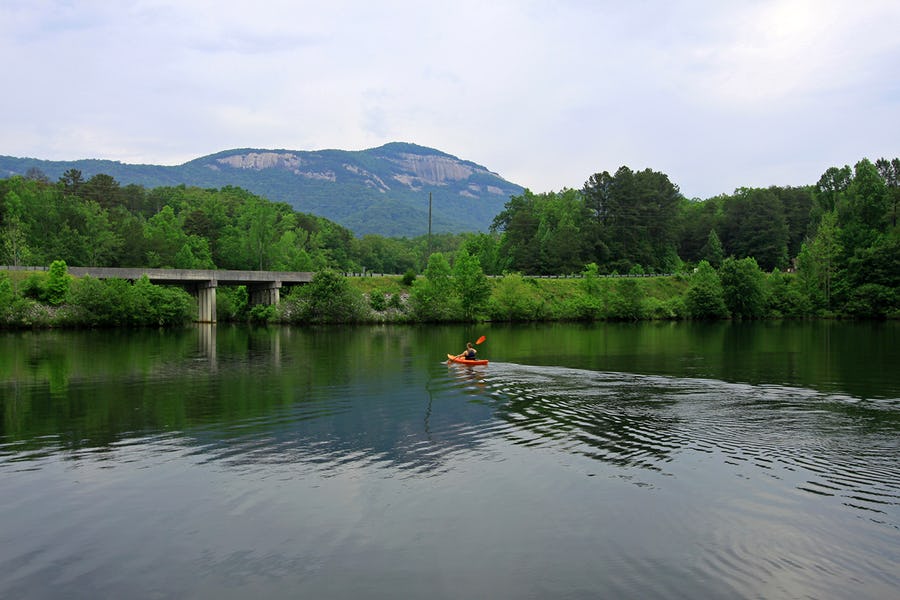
(115, 302)
(584, 307)
(377, 301)
(232, 303)
(625, 303)
(872, 301)
(329, 298)
(784, 296)
(6, 294)
(263, 313)
(704, 296)
(409, 278)
(57, 287)
(35, 286)
(513, 300)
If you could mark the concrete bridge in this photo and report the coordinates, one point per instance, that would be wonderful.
(264, 287)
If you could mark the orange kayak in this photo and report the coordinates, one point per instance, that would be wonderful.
(463, 361)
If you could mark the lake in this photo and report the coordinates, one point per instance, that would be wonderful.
(651, 460)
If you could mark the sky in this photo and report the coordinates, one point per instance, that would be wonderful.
(715, 94)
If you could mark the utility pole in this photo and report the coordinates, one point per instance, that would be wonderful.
(429, 228)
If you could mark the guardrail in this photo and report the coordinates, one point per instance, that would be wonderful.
(570, 276)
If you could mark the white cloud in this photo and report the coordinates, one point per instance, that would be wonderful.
(717, 95)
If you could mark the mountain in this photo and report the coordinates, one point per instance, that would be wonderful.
(381, 190)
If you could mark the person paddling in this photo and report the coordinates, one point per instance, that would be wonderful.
(470, 352)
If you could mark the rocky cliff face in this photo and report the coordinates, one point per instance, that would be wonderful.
(262, 160)
(413, 170)
(430, 170)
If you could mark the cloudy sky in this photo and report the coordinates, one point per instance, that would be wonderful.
(717, 95)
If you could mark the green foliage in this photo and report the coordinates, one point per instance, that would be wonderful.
(705, 298)
(396, 302)
(14, 248)
(626, 301)
(590, 280)
(433, 296)
(115, 302)
(232, 303)
(743, 288)
(632, 218)
(350, 198)
(588, 305)
(754, 225)
(470, 284)
(263, 313)
(712, 252)
(873, 301)
(35, 286)
(6, 294)
(513, 300)
(785, 296)
(377, 302)
(88, 225)
(819, 260)
(329, 298)
(57, 289)
(153, 305)
(842, 233)
(409, 277)
(486, 247)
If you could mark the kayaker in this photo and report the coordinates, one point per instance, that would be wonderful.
(470, 352)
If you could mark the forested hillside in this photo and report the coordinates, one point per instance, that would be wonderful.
(382, 190)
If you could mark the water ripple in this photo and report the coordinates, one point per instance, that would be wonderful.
(630, 420)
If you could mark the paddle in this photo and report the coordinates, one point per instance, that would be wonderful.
(478, 341)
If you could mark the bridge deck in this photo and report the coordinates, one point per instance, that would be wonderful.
(176, 276)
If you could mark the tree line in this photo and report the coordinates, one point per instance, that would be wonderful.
(840, 236)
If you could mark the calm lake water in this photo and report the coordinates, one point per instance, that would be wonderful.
(665, 460)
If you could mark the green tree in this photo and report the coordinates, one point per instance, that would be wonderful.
(72, 182)
(634, 218)
(471, 285)
(329, 298)
(705, 297)
(743, 287)
(519, 222)
(890, 173)
(102, 189)
(487, 248)
(57, 290)
(863, 213)
(785, 298)
(433, 296)
(102, 243)
(754, 225)
(164, 238)
(696, 219)
(818, 261)
(713, 252)
(14, 237)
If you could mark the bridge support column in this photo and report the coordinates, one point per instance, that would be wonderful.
(266, 293)
(206, 302)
